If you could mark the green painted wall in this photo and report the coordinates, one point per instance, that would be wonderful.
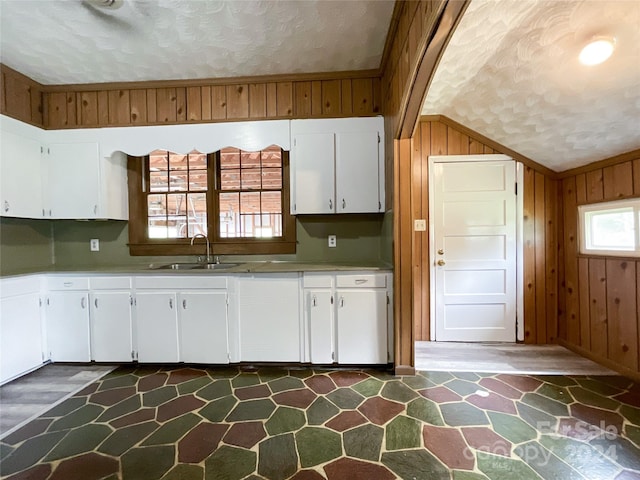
(25, 245)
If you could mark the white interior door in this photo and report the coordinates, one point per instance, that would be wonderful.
(474, 250)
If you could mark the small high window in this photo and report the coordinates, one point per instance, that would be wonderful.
(610, 228)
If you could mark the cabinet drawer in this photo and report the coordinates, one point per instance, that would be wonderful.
(366, 280)
(317, 281)
(20, 286)
(67, 283)
(110, 283)
(152, 282)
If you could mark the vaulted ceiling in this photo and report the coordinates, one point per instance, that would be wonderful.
(510, 71)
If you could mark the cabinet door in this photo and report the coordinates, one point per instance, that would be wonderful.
(111, 326)
(73, 180)
(20, 177)
(68, 326)
(313, 180)
(320, 314)
(20, 335)
(156, 327)
(357, 164)
(203, 327)
(362, 326)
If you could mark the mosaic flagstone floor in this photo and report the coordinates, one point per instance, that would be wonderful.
(191, 423)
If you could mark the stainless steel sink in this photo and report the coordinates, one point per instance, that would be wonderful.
(194, 266)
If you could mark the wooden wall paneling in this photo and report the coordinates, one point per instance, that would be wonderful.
(103, 108)
(317, 109)
(457, 142)
(37, 106)
(581, 189)
(489, 150)
(439, 145)
(415, 29)
(205, 95)
(237, 101)
(331, 100)
(181, 104)
(218, 102)
(194, 104)
(152, 106)
(257, 100)
(622, 311)
(272, 100)
(57, 109)
(302, 91)
(72, 110)
(584, 303)
(636, 177)
(346, 93)
(88, 109)
(376, 106)
(418, 267)
(571, 262)
(551, 258)
(598, 307)
(425, 293)
(362, 96)
(540, 259)
(594, 186)
(284, 99)
(166, 105)
(618, 181)
(119, 107)
(562, 321)
(529, 256)
(638, 308)
(138, 106)
(475, 147)
(17, 97)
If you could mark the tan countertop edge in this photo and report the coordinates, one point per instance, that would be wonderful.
(246, 267)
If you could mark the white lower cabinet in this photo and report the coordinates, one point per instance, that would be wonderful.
(321, 332)
(156, 327)
(68, 326)
(21, 339)
(111, 305)
(203, 327)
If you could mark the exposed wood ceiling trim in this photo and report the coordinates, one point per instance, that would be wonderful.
(623, 157)
(391, 34)
(430, 50)
(491, 143)
(295, 77)
(6, 69)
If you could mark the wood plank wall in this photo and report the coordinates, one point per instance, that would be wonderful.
(351, 96)
(20, 97)
(599, 307)
(442, 137)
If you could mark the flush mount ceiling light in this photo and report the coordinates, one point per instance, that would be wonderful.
(597, 51)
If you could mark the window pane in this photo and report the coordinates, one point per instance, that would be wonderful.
(251, 179)
(158, 161)
(197, 180)
(157, 205)
(157, 227)
(197, 160)
(229, 158)
(178, 181)
(271, 202)
(230, 179)
(250, 202)
(176, 204)
(272, 178)
(250, 225)
(159, 181)
(229, 219)
(251, 159)
(272, 157)
(611, 230)
(197, 213)
(177, 226)
(177, 161)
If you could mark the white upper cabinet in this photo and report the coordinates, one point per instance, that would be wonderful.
(20, 170)
(337, 166)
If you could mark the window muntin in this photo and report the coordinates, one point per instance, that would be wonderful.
(249, 196)
(610, 228)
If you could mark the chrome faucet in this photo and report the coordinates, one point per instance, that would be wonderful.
(208, 245)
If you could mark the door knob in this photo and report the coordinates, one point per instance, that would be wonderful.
(441, 263)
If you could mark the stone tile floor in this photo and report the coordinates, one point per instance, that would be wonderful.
(188, 423)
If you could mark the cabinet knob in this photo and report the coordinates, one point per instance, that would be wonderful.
(83, 302)
(95, 302)
(342, 301)
(440, 251)
(441, 263)
(184, 303)
(6, 206)
(314, 300)
(330, 204)
(95, 209)
(344, 204)
(170, 303)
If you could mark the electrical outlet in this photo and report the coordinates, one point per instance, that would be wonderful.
(94, 244)
(420, 225)
(332, 241)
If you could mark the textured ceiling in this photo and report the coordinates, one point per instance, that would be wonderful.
(511, 73)
(73, 41)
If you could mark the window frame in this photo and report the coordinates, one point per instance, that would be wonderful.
(141, 244)
(603, 207)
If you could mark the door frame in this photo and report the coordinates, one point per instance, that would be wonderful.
(433, 159)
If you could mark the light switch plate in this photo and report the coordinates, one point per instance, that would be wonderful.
(420, 225)
(95, 244)
(332, 241)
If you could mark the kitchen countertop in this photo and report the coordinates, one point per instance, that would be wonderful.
(241, 267)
